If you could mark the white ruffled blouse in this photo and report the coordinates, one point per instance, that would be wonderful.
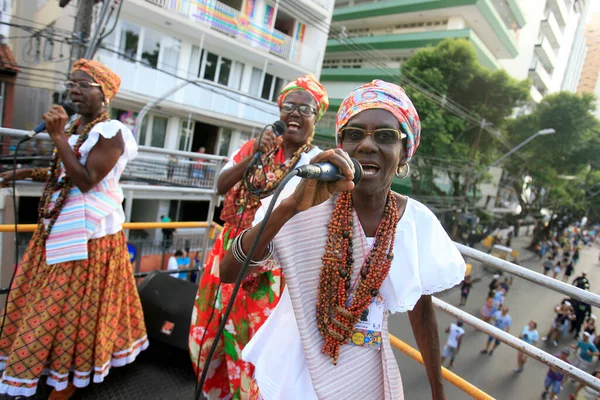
(425, 262)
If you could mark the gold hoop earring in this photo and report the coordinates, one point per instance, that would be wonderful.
(403, 171)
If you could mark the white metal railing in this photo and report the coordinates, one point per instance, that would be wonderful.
(234, 23)
(539, 279)
(160, 166)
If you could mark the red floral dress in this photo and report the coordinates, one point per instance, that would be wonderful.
(229, 376)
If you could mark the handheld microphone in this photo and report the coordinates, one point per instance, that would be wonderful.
(328, 172)
(42, 125)
(279, 127)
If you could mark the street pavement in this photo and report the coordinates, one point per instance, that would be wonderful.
(494, 374)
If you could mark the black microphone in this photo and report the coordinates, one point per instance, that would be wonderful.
(328, 172)
(279, 127)
(42, 125)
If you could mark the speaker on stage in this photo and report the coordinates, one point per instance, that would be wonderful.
(168, 303)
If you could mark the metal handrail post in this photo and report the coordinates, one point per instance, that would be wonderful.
(532, 276)
(518, 344)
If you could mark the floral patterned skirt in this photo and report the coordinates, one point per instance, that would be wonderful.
(229, 376)
(79, 317)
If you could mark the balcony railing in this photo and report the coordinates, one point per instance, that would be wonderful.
(540, 77)
(235, 24)
(551, 30)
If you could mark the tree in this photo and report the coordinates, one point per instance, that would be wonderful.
(574, 150)
(451, 69)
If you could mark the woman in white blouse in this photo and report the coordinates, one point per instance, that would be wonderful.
(350, 256)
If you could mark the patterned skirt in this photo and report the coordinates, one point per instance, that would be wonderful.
(79, 317)
(229, 376)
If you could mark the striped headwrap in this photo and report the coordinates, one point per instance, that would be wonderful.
(390, 97)
(109, 81)
(309, 84)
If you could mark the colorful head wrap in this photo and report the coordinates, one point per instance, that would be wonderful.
(390, 97)
(311, 85)
(109, 81)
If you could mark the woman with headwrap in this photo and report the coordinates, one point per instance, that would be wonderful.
(301, 104)
(73, 307)
(351, 255)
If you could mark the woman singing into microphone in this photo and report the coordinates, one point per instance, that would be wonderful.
(73, 308)
(301, 104)
(351, 255)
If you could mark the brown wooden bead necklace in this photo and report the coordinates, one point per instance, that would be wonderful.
(64, 185)
(336, 314)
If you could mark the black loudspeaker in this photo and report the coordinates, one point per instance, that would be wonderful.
(168, 303)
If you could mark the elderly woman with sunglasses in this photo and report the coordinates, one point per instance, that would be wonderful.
(301, 104)
(351, 255)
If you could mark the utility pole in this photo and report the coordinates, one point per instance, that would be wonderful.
(82, 28)
(467, 183)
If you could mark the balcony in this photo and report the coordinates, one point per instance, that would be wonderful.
(541, 78)
(535, 94)
(236, 25)
(511, 13)
(551, 30)
(209, 98)
(546, 55)
(560, 10)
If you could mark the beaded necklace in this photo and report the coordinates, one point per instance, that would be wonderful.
(53, 184)
(337, 311)
(268, 176)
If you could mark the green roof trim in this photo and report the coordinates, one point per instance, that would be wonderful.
(517, 13)
(401, 41)
(390, 7)
(381, 8)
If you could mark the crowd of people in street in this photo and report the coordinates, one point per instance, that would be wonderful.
(574, 325)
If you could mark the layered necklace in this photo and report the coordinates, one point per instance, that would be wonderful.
(339, 305)
(267, 176)
(51, 210)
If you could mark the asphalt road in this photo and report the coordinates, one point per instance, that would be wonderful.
(494, 374)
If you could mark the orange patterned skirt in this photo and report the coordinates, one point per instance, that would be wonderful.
(78, 317)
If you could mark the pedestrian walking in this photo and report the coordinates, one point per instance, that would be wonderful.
(488, 309)
(502, 321)
(590, 327)
(455, 334)
(564, 313)
(494, 284)
(586, 351)
(569, 269)
(529, 335)
(465, 289)
(576, 256)
(555, 378)
(582, 282)
(499, 297)
(557, 268)
(548, 264)
(506, 285)
(582, 312)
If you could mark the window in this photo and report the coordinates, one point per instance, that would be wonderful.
(210, 66)
(271, 87)
(128, 45)
(235, 79)
(159, 131)
(151, 48)
(194, 66)
(224, 70)
(48, 50)
(266, 90)
(169, 55)
(255, 81)
(224, 141)
(186, 132)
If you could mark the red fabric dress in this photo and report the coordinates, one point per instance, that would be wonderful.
(229, 376)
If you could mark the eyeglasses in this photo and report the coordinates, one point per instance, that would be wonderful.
(80, 84)
(385, 136)
(305, 110)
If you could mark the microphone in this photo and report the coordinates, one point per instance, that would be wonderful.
(42, 125)
(328, 172)
(279, 127)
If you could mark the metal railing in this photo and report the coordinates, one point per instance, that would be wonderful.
(153, 165)
(485, 259)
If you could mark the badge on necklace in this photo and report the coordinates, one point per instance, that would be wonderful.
(367, 331)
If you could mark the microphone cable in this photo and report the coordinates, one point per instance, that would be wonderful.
(240, 278)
